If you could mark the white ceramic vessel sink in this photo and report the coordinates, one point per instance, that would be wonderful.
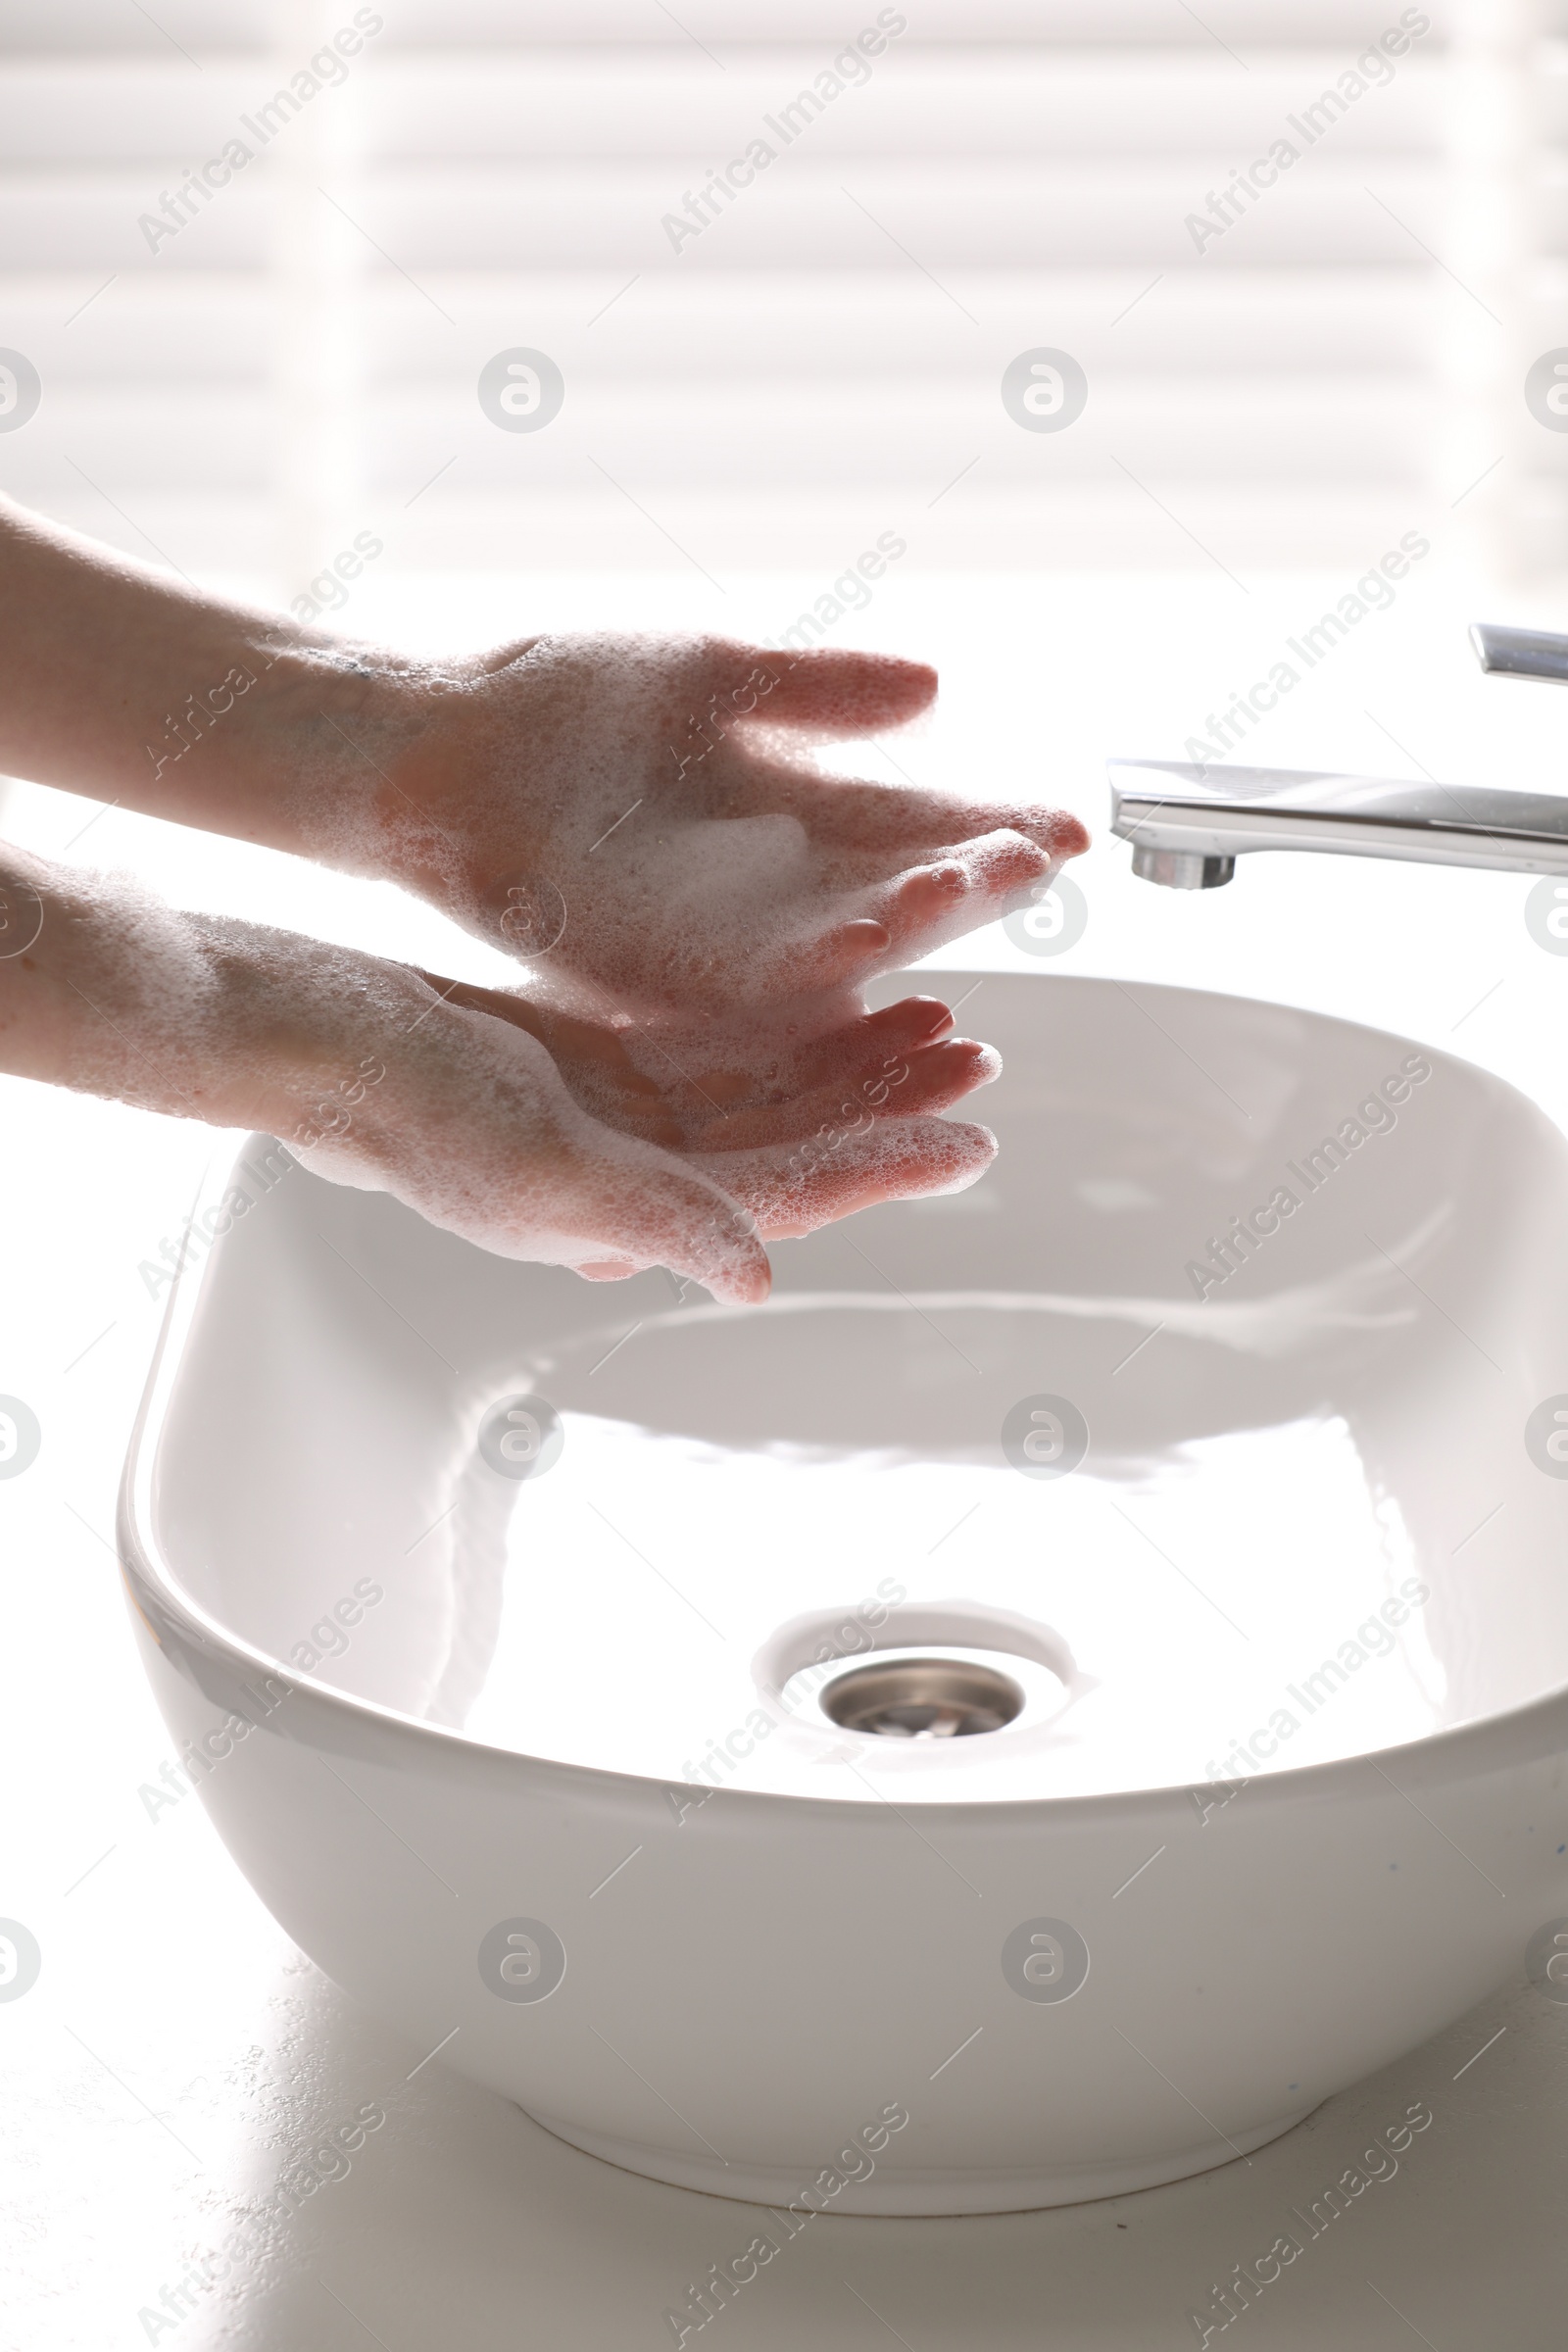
(1265, 1546)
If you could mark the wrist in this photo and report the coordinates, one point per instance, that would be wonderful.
(193, 1016)
(124, 684)
(301, 1031)
(445, 807)
(288, 739)
(369, 761)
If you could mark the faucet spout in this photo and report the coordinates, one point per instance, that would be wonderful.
(1520, 652)
(1189, 824)
(1182, 869)
(1180, 818)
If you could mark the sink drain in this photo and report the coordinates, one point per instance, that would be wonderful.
(922, 1699)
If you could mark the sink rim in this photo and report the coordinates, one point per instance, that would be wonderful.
(187, 1632)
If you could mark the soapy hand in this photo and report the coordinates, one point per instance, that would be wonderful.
(532, 1133)
(561, 1154)
(635, 819)
(639, 822)
(686, 1090)
(791, 1140)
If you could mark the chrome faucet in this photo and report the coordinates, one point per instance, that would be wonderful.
(1188, 826)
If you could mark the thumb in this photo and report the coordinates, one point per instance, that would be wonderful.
(792, 1190)
(640, 1206)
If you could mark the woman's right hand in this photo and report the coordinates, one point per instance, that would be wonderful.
(538, 1136)
(557, 1147)
(797, 1131)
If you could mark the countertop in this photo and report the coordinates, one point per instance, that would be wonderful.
(177, 2056)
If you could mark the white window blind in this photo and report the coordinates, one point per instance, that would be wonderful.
(810, 357)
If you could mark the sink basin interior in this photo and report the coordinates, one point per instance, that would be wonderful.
(1237, 1516)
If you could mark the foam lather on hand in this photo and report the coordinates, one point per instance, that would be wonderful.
(531, 1133)
(793, 1192)
(472, 1125)
(140, 980)
(660, 797)
(475, 1126)
(690, 1069)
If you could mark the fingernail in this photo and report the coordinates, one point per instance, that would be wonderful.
(855, 941)
(749, 1289)
(983, 1061)
(919, 1016)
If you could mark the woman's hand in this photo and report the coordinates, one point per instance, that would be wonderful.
(788, 1140)
(377, 1077)
(631, 818)
(635, 819)
(688, 1090)
(475, 1123)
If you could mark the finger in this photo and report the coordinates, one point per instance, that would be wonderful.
(580, 1192)
(765, 1065)
(637, 1207)
(560, 1033)
(837, 958)
(837, 688)
(912, 1020)
(895, 824)
(979, 882)
(926, 1080)
(795, 1189)
(650, 1119)
(912, 914)
(847, 1052)
(592, 1061)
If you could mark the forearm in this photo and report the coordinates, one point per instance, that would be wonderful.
(361, 1066)
(114, 994)
(121, 683)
